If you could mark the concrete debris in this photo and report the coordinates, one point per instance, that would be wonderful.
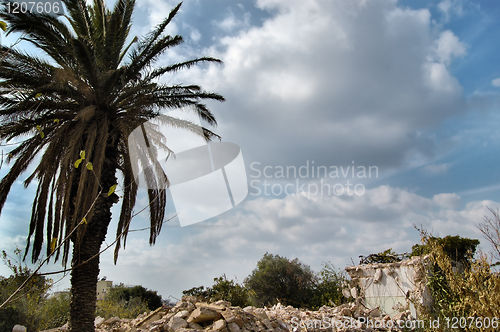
(18, 328)
(192, 315)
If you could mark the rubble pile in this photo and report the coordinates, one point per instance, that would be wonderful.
(191, 315)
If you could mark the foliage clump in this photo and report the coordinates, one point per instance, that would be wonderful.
(472, 292)
(222, 289)
(33, 307)
(387, 256)
(459, 249)
(278, 279)
(128, 302)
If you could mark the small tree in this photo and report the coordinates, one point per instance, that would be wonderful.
(25, 307)
(328, 290)
(222, 289)
(491, 230)
(128, 302)
(460, 249)
(277, 278)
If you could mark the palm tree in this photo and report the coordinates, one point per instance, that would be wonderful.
(91, 89)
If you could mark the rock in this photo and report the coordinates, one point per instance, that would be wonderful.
(195, 326)
(18, 328)
(182, 314)
(98, 320)
(222, 303)
(346, 312)
(259, 312)
(233, 327)
(189, 298)
(175, 323)
(202, 314)
(219, 325)
(228, 316)
(111, 321)
(354, 292)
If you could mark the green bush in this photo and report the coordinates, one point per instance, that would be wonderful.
(473, 292)
(222, 289)
(128, 302)
(54, 311)
(328, 290)
(108, 308)
(277, 279)
(25, 307)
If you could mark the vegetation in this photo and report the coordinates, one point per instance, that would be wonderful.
(75, 109)
(33, 308)
(277, 279)
(472, 293)
(490, 227)
(387, 256)
(122, 293)
(458, 248)
(222, 289)
(128, 302)
(328, 289)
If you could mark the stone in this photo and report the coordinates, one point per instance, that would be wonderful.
(18, 328)
(228, 315)
(259, 312)
(195, 326)
(233, 327)
(222, 303)
(346, 312)
(202, 314)
(190, 298)
(219, 325)
(375, 312)
(176, 323)
(98, 320)
(354, 292)
(111, 321)
(182, 314)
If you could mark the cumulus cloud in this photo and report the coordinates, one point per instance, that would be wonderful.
(448, 46)
(336, 81)
(433, 169)
(231, 22)
(318, 229)
(451, 7)
(449, 201)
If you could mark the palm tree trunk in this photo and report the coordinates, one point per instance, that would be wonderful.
(84, 277)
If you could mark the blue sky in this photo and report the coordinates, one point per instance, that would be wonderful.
(405, 86)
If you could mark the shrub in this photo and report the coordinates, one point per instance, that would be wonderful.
(328, 290)
(128, 302)
(277, 279)
(475, 292)
(222, 289)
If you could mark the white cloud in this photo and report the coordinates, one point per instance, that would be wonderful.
(496, 82)
(158, 11)
(448, 46)
(451, 7)
(343, 80)
(323, 228)
(436, 168)
(449, 201)
(231, 22)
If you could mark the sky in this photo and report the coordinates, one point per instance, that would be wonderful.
(407, 89)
